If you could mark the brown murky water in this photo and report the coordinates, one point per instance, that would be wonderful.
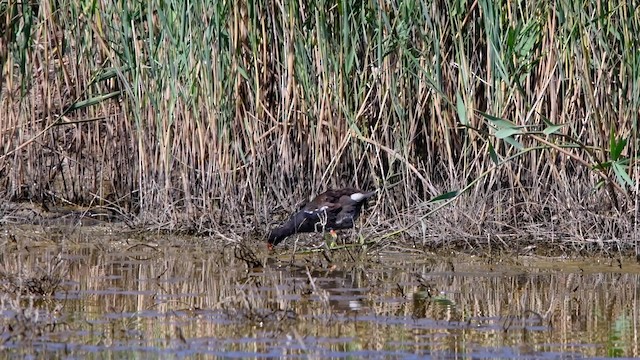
(157, 297)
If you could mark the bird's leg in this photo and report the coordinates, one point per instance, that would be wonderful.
(322, 217)
(321, 225)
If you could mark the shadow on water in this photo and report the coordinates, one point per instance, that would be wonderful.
(94, 294)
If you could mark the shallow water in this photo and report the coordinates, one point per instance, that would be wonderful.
(154, 297)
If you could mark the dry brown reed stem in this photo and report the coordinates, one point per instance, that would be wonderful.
(616, 186)
(401, 158)
(31, 140)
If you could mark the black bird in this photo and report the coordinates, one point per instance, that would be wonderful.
(331, 210)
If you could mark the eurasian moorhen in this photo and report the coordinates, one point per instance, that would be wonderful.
(331, 210)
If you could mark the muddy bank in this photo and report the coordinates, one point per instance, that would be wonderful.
(441, 238)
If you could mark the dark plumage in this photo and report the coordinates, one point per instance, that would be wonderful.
(331, 210)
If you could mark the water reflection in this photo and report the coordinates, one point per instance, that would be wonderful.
(182, 297)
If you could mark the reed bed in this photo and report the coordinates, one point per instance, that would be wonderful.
(199, 117)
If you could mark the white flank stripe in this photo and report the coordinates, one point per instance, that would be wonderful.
(316, 210)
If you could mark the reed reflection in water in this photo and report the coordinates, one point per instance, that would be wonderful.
(189, 296)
